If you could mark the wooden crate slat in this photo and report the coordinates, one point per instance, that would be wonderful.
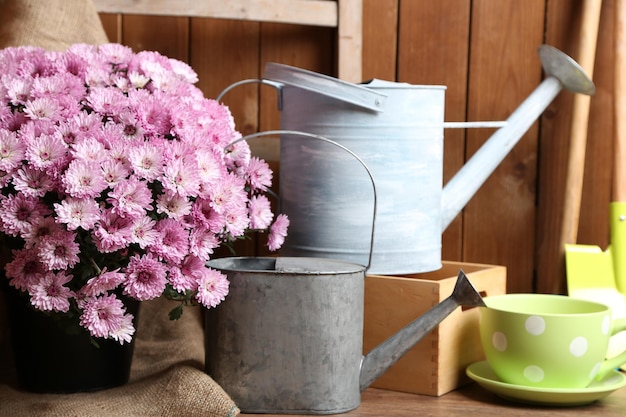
(304, 12)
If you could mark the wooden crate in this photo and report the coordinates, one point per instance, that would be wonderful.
(436, 365)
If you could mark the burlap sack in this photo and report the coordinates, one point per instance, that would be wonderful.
(167, 377)
(50, 24)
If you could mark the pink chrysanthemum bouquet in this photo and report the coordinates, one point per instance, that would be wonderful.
(116, 179)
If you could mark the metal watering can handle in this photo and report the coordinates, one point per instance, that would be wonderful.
(250, 81)
(332, 142)
(327, 86)
(279, 75)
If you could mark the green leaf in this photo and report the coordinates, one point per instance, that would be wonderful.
(176, 313)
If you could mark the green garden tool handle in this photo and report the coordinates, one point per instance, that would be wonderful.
(618, 243)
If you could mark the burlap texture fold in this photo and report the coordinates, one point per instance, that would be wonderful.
(50, 24)
(167, 376)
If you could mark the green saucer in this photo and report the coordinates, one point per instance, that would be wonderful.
(482, 373)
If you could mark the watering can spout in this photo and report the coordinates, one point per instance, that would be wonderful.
(381, 358)
(562, 72)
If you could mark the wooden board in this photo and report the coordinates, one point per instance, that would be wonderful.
(315, 12)
(562, 31)
(429, 55)
(380, 39)
(504, 69)
(168, 35)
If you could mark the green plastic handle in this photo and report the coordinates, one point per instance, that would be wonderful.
(618, 243)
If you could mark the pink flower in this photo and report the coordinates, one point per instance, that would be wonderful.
(11, 150)
(124, 332)
(185, 277)
(181, 177)
(153, 116)
(18, 90)
(19, 212)
(259, 174)
(85, 124)
(173, 244)
(278, 231)
(61, 86)
(193, 266)
(45, 151)
(147, 161)
(228, 193)
(181, 282)
(105, 316)
(89, 150)
(128, 126)
(67, 133)
(173, 205)
(25, 268)
(106, 101)
(75, 213)
(145, 278)
(41, 109)
(260, 212)
(115, 53)
(238, 155)
(202, 242)
(49, 292)
(237, 220)
(212, 288)
(40, 227)
(203, 214)
(33, 182)
(131, 198)
(82, 180)
(113, 172)
(210, 170)
(143, 232)
(112, 232)
(59, 251)
(184, 71)
(118, 152)
(106, 281)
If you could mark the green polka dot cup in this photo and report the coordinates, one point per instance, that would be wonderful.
(548, 341)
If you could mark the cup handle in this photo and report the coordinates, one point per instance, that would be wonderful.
(615, 362)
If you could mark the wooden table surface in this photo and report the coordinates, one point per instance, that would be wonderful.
(473, 401)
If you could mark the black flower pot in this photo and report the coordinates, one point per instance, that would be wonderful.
(50, 359)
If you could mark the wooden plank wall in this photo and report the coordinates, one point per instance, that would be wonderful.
(484, 51)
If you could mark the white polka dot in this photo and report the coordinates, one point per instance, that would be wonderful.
(606, 325)
(533, 373)
(499, 341)
(535, 325)
(578, 346)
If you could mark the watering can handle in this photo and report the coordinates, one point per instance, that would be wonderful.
(274, 84)
(332, 142)
(327, 86)
(279, 75)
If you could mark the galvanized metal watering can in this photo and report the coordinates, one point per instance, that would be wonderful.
(289, 336)
(397, 129)
(288, 339)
